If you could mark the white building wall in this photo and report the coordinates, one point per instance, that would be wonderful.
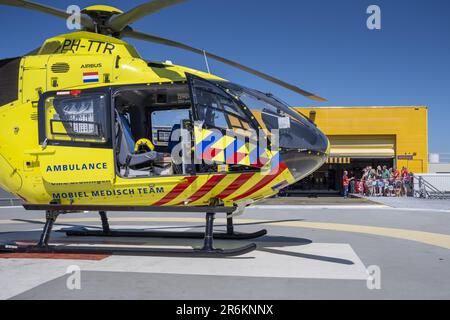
(439, 167)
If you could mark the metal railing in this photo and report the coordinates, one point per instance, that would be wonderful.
(427, 190)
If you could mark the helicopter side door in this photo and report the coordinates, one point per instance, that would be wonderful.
(76, 137)
(223, 132)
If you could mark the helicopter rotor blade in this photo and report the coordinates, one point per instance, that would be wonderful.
(120, 21)
(86, 21)
(151, 38)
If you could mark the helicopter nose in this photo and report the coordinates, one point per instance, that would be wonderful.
(304, 150)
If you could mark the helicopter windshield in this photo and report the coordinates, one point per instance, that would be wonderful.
(272, 114)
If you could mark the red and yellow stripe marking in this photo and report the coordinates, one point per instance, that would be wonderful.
(214, 180)
(263, 182)
(235, 185)
(207, 187)
(176, 191)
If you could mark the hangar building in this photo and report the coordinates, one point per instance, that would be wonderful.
(360, 136)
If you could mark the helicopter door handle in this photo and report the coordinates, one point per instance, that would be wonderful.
(40, 152)
(169, 181)
(164, 180)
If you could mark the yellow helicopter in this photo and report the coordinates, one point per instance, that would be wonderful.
(87, 124)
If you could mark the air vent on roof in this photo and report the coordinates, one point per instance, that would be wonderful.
(60, 67)
(157, 65)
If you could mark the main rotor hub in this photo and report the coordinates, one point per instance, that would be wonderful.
(100, 14)
(101, 8)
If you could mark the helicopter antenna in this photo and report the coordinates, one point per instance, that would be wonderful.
(206, 61)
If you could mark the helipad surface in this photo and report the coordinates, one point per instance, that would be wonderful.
(309, 252)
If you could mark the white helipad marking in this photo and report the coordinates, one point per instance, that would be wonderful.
(316, 260)
(20, 275)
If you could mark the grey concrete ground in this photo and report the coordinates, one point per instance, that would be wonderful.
(410, 202)
(321, 200)
(311, 251)
(7, 199)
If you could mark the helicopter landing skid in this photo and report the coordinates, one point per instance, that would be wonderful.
(43, 245)
(13, 247)
(106, 231)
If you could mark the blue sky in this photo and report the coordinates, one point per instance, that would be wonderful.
(323, 46)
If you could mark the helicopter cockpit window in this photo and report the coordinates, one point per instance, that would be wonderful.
(272, 114)
(218, 110)
(76, 118)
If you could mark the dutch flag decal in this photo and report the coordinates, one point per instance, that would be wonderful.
(90, 77)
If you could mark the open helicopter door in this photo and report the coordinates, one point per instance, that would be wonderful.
(225, 131)
(75, 137)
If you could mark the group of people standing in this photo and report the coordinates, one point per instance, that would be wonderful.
(379, 181)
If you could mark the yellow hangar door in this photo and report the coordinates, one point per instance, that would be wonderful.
(363, 146)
